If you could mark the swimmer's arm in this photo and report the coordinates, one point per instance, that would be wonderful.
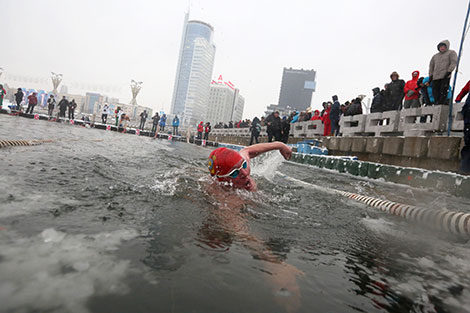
(255, 150)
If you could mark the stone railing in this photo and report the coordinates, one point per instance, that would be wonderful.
(408, 122)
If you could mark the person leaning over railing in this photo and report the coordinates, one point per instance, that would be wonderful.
(465, 153)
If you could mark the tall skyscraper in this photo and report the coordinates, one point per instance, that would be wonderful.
(296, 88)
(225, 103)
(194, 72)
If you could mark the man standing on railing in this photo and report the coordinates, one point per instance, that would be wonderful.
(441, 67)
(412, 92)
(395, 92)
(465, 153)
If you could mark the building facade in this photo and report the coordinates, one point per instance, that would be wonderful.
(194, 71)
(225, 103)
(296, 88)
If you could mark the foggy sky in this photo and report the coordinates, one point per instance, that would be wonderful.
(353, 45)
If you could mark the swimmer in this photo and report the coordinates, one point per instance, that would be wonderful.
(228, 165)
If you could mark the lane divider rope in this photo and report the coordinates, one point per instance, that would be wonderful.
(457, 223)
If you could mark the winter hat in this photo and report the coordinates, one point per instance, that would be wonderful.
(222, 160)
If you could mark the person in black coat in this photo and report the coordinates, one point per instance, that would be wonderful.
(334, 116)
(377, 101)
(285, 129)
(273, 123)
(395, 93)
(63, 105)
(255, 129)
(19, 95)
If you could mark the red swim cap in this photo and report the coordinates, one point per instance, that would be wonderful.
(222, 160)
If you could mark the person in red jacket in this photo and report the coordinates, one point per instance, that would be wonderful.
(316, 115)
(326, 120)
(412, 92)
(200, 130)
(465, 153)
(32, 101)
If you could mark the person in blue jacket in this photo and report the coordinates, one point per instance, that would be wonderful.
(176, 124)
(426, 91)
(163, 122)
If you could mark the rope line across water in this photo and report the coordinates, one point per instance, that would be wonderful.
(18, 143)
(457, 223)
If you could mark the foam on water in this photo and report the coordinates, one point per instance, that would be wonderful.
(59, 272)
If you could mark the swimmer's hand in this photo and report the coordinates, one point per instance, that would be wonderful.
(286, 151)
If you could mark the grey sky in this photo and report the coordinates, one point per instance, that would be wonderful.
(353, 45)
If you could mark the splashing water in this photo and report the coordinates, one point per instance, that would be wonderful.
(267, 165)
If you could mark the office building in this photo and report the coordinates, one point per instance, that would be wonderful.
(296, 88)
(225, 103)
(194, 71)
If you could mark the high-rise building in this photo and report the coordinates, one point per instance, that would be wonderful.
(91, 100)
(225, 103)
(194, 71)
(296, 88)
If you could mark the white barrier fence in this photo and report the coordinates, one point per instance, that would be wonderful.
(408, 122)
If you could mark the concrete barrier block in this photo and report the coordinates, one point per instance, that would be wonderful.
(298, 129)
(457, 117)
(358, 144)
(374, 145)
(345, 144)
(423, 121)
(353, 125)
(390, 123)
(373, 123)
(415, 147)
(394, 146)
(443, 147)
(333, 143)
(314, 128)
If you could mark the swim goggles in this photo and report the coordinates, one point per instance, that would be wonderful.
(234, 173)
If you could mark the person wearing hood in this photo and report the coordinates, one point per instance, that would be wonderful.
(395, 92)
(465, 153)
(255, 129)
(200, 130)
(334, 116)
(441, 66)
(316, 115)
(19, 95)
(163, 122)
(412, 92)
(377, 101)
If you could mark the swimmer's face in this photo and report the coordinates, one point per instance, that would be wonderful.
(243, 179)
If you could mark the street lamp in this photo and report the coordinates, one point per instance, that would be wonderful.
(56, 79)
(135, 89)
